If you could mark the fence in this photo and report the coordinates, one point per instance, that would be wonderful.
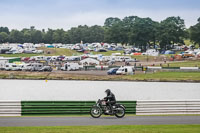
(18, 108)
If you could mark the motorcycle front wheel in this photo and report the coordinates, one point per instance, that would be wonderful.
(120, 112)
(95, 112)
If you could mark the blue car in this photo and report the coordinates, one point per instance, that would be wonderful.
(112, 71)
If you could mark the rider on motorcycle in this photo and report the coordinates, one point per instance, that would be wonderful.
(110, 99)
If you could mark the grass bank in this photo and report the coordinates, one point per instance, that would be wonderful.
(51, 51)
(106, 129)
(183, 64)
(108, 53)
(57, 52)
(166, 76)
(158, 76)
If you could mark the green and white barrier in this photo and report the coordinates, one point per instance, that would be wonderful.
(66, 107)
(189, 68)
(139, 107)
(10, 108)
(167, 107)
(170, 68)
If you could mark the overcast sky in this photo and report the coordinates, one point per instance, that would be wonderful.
(43, 14)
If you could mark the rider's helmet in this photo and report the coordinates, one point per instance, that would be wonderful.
(107, 91)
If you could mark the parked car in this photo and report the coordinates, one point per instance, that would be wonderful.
(112, 71)
(25, 59)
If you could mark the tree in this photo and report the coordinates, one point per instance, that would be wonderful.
(36, 36)
(140, 32)
(128, 26)
(66, 38)
(171, 31)
(74, 35)
(48, 36)
(132, 30)
(58, 36)
(86, 34)
(144, 31)
(96, 34)
(16, 36)
(195, 33)
(3, 37)
(113, 30)
(114, 33)
(111, 21)
(4, 29)
(27, 35)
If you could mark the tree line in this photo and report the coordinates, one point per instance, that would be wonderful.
(132, 30)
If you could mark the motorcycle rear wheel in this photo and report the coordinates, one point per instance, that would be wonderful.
(120, 112)
(95, 112)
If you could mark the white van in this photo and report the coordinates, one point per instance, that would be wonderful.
(12, 67)
(36, 66)
(2, 64)
(26, 67)
(71, 67)
(126, 70)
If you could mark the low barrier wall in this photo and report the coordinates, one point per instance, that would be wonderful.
(66, 107)
(18, 108)
(10, 108)
(174, 69)
(56, 107)
(167, 107)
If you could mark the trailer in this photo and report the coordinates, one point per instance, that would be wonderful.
(36, 66)
(12, 67)
(71, 67)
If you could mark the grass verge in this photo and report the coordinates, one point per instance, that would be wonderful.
(166, 76)
(57, 52)
(106, 129)
(183, 64)
(158, 76)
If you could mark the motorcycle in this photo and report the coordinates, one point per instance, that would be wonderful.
(101, 108)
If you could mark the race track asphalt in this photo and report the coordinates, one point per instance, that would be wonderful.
(81, 121)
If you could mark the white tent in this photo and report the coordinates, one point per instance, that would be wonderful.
(152, 52)
(89, 61)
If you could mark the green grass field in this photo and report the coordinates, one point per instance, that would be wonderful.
(143, 57)
(183, 64)
(59, 51)
(18, 55)
(106, 129)
(157, 76)
(106, 53)
(166, 76)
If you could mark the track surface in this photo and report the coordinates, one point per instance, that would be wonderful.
(76, 121)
